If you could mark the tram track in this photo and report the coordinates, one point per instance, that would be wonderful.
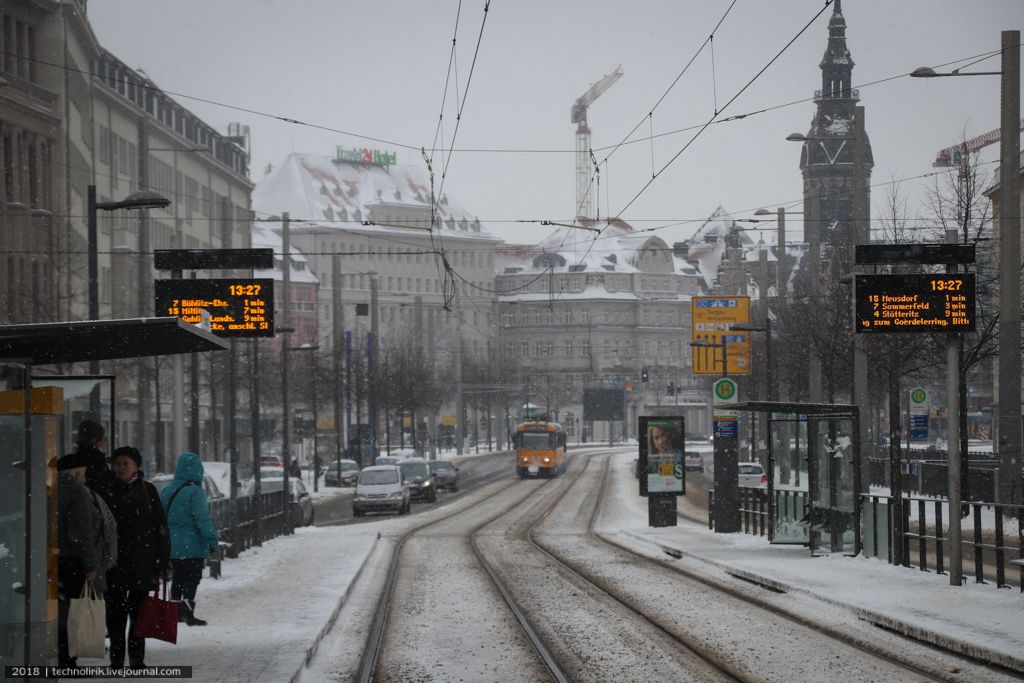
(372, 652)
(871, 648)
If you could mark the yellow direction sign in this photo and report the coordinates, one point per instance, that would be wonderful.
(711, 318)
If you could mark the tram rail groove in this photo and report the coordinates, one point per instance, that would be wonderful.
(761, 601)
(371, 651)
(570, 569)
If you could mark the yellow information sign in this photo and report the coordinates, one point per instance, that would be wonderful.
(711, 320)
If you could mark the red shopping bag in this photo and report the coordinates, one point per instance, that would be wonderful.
(158, 617)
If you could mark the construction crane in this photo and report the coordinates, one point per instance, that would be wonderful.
(584, 197)
(956, 155)
(953, 156)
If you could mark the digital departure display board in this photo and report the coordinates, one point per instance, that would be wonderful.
(942, 303)
(238, 307)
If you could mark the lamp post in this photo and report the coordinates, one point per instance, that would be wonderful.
(316, 446)
(145, 199)
(1009, 408)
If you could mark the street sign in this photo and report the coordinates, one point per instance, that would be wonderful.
(711, 320)
(237, 307)
(921, 303)
(918, 410)
(941, 252)
(202, 259)
(725, 422)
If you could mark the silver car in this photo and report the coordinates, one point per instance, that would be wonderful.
(752, 475)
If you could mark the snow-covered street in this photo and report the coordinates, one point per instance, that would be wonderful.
(301, 607)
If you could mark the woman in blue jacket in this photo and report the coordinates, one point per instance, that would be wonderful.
(193, 537)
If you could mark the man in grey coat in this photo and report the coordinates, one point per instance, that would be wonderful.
(78, 557)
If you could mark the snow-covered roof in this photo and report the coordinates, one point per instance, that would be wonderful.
(617, 247)
(331, 194)
(264, 237)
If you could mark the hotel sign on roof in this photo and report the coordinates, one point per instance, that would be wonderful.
(372, 157)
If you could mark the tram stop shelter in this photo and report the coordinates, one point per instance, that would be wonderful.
(32, 415)
(814, 473)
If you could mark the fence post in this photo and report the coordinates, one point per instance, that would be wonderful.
(922, 532)
(938, 536)
(1000, 556)
(979, 567)
(711, 510)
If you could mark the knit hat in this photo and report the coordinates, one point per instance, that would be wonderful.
(71, 461)
(90, 433)
(130, 452)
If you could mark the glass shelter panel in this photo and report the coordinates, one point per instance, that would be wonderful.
(788, 448)
(831, 465)
(85, 398)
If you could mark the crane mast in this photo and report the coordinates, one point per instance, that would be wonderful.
(578, 115)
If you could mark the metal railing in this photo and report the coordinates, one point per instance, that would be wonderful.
(253, 528)
(926, 543)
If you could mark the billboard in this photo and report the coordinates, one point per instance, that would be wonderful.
(660, 465)
(603, 404)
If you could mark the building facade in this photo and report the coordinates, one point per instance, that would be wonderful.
(574, 318)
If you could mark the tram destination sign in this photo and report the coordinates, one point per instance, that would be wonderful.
(939, 303)
(238, 307)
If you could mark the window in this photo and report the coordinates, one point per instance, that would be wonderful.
(585, 347)
(585, 316)
(568, 347)
(524, 349)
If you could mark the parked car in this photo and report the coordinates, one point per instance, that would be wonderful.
(220, 472)
(302, 502)
(421, 482)
(272, 460)
(752, 474)
(349, 473)
(380, 488)
(693, 462)
(387, 460)
(446, 474)
(213, 492)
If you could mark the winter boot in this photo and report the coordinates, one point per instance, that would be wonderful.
(190, 614)
(181, 611)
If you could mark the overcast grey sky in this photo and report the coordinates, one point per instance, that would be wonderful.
(378, 69)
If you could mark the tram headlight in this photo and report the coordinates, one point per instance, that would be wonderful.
(547, 459)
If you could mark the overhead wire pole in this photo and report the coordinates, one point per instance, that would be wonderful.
(286, 329)
(1009, 410)
(862, 233)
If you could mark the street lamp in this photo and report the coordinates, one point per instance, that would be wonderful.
(1009, 411)
(145, 199)
(316, 448)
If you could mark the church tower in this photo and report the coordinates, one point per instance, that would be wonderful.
(828, 158)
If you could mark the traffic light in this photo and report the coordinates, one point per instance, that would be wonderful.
(643, 374)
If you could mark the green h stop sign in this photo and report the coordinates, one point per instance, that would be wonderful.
(725, 390)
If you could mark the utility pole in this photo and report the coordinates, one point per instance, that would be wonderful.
(194, 435)
(862, 235)
(287, 329)
(337, 346)
(372, 349)
(460, 425)
(1009, 424)
(953, 439)
(254, 412)
(812, 226)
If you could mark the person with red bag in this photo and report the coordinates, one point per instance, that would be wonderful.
(143, 551)
(193, 536)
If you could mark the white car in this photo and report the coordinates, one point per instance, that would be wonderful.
(381, 488)
(752, 475)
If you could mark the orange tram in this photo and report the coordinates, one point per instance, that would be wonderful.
(540, 449)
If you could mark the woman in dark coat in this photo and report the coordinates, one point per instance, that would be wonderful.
(143, 550)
